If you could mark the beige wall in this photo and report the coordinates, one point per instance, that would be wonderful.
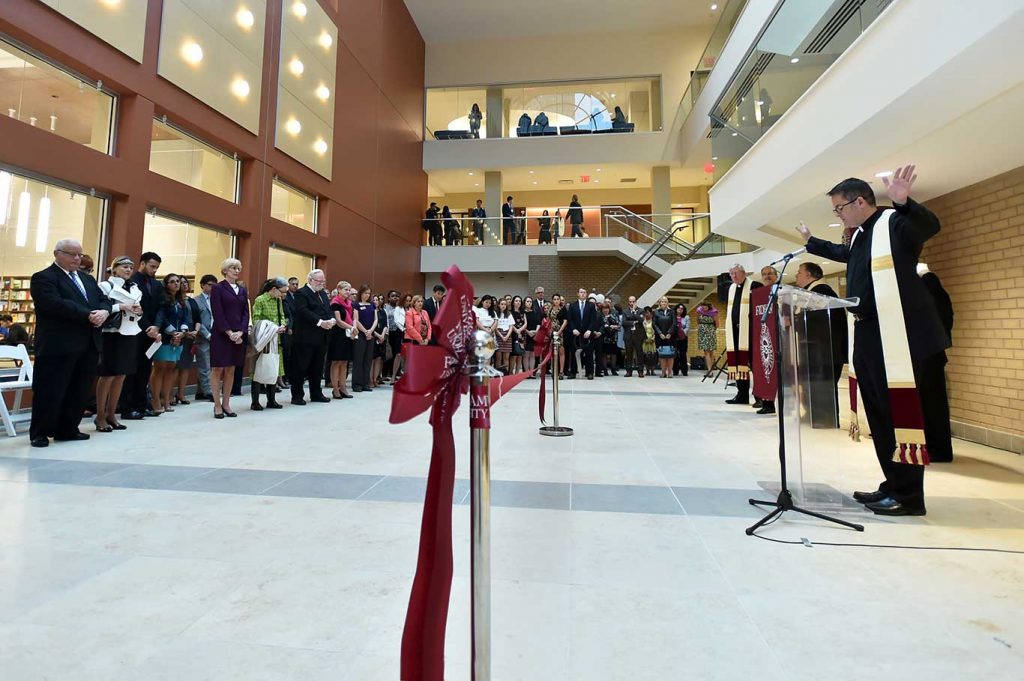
(979, 256)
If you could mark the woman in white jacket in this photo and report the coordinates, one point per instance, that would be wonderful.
(120, 338)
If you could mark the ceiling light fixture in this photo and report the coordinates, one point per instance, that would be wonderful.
(299, 9)
(320, 146)
(531, 172)
(834, 224)
(43, 225)
(323, 93)
(296, 66)
(598, 170)
(714, 158)
(24, 203)
(53, 123)
(240, 87)
(714, 7)
(192, 52)
(325, 40)
(794, 60)
(111, 4)
(292, 126)
(245, 18)
(884, 173)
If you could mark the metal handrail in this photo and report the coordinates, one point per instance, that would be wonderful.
(653, 248)
(686, 245)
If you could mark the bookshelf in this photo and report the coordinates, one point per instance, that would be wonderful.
(16, 300)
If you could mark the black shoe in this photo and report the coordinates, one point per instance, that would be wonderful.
(320, 398)
(256, 406)
(615, 372)
(766, 410)
(274, 405)
(219, 416)
(629, 374)
(118, 426)
(298, 401)
(736, 400)
(356, 389)
(230, 414)
(77, 437)
(590, 377)
(132, 416)
(105, 429)
(40, 442)
(890, 506)
(757, 404)
(869, 497)
(150, 413)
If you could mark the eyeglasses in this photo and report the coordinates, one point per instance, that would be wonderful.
(838, 210)
(69, 253)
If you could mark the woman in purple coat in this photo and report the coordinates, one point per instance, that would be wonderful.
(229, 304)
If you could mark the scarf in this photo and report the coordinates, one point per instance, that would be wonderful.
(904, 400)
(738, 358)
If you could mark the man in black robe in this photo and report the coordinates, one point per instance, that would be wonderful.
(853, 201)
(934, 399)
(826, 358)
(739, 275)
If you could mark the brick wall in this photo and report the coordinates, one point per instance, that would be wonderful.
(560, 274)
(979, 256)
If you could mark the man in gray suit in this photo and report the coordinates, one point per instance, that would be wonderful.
(202, 342)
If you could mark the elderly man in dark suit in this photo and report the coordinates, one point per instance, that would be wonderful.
(312, 321)
(70, 311)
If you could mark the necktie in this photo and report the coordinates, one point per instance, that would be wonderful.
(78, 284)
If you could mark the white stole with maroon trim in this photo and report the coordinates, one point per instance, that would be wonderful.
(738, 358)
(904, 400)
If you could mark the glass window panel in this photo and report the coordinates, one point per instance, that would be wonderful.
(185, 248)
(34, 216)
(293, 206)
(181, 157)
(45, 96)
(284, 263)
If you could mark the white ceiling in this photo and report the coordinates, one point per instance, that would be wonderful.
(445, 21)
(546, 178)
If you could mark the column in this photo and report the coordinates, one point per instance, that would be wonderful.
(495, 115)
(661, 196)
(492, 204)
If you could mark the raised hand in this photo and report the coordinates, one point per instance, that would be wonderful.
(804, 232)
(898, 186)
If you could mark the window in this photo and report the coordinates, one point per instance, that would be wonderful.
(295, 207)
(45, 96)
(186, 159)
(284, 263)
(185, 248)
(34, 216)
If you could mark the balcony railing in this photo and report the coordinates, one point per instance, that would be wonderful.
(793, 50)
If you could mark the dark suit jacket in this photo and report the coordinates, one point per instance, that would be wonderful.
(432, 307)
(590, 320)
(839, 328)
(62, 314)
(507, 210)
(152, 298)
(912, 226)
(943, 305)
(230, 310)
(310, 308)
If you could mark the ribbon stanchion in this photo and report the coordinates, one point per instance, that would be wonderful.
(554, 430)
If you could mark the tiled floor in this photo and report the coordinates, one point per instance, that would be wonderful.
(281, 545)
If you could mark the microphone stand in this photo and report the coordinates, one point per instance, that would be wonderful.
(784, 502)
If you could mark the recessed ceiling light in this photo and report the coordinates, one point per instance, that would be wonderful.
(535, 181)
(293, 126)
(325, 40)
(320, 146)
(531, 172)
(714, 7)
(296, 66)
(299, 9)
(834, 224)
(240, 87)
(245, 18)
(598, 170)
(714, 158)
(471, 174)
(477, 184)
(884, 173)
(323, 93)
(734, 134)
(192, 52)
(794, 60)
(111, 4)
(613, 95)
(596, 181)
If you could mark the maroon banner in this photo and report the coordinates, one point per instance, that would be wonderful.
(435, 379)
(479, 406)
(763, 351)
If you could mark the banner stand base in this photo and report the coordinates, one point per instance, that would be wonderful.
(555, 431)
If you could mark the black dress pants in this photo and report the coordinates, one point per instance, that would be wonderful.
(743, 390)
(634, 352)
(508, 232)
(903, 481)
(60, 388)
(586, 346)
(362, 356)
(682, 361)
(570, 345)
(931, 384)
(135, 391)
(434, 235)
(307, 365)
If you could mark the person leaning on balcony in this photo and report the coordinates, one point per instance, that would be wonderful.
(478, 214)
(508, 222)
(475, 117)
(575, 216)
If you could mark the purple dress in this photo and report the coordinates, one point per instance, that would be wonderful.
(230, 313)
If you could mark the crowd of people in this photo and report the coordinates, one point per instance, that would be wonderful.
(444, 229)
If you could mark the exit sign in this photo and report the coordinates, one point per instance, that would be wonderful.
(584, 178)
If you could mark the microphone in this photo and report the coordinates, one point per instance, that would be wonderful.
(790, 256)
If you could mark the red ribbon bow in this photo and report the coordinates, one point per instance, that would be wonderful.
(435, 379)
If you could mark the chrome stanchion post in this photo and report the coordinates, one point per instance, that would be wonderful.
(555, 430)
(480, 373)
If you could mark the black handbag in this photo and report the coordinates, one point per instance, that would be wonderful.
(517, 348)
(113, 321)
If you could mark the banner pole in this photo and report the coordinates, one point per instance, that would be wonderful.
(555, 430)
(480, 501)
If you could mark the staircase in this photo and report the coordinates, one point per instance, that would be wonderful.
(691, 292)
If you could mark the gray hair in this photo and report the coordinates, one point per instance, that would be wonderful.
(65, 243)
(279, 282)
(737, 266)
(229, 263)
(313, 273)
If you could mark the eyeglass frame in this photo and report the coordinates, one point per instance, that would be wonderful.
(838, 210)
(73, 255)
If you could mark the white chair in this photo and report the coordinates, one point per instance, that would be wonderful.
(23, 381)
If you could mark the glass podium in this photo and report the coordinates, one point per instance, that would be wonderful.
(809, 396)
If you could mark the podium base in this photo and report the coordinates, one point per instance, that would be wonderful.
(785, 503)
(556, 431)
